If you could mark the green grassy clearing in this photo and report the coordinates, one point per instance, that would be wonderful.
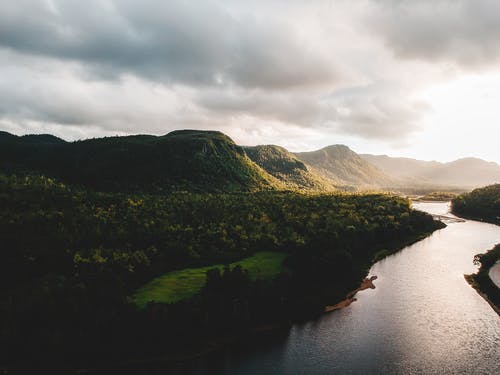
(178, 285)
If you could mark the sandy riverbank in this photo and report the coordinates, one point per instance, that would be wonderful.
(367, 283)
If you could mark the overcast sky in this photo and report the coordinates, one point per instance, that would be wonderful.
(403, 78)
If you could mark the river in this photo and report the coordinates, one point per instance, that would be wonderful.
(422, 317)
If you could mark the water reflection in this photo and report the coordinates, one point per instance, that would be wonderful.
(422, 318)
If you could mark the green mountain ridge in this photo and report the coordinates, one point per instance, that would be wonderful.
(286, 167)
(210, 161)
(181, 160)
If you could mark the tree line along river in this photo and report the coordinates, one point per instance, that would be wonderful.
(423, 317)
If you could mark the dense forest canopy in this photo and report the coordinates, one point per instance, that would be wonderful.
(72, 258)
(181, 160)
(482, 204)
(140, 244)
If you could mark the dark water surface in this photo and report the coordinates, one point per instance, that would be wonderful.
(422, 317)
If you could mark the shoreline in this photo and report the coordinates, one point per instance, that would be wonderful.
(474, 284)
(430, 200)
(494, 274)
(367, 283)
(472, 279)
(208, 347)
(474, 218)
(218, 343)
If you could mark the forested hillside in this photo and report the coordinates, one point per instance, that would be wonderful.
(287, 168)
(200, 161)
(180, 160)
(480, 204)
(72, 259)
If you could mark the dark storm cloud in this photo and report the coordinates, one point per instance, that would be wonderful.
(172, 41)
(466, 32)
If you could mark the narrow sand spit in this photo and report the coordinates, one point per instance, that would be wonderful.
(365, 284)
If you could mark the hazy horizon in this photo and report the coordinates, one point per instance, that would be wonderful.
(400, 78)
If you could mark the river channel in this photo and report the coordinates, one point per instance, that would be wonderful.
(423, 317)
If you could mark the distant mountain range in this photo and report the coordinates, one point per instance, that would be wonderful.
(342, 165)
(209, 161)
(464, 173)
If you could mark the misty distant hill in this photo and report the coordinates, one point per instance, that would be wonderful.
(342, 165)
(464, 173)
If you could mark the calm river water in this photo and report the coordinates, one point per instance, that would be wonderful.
(422, 317)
